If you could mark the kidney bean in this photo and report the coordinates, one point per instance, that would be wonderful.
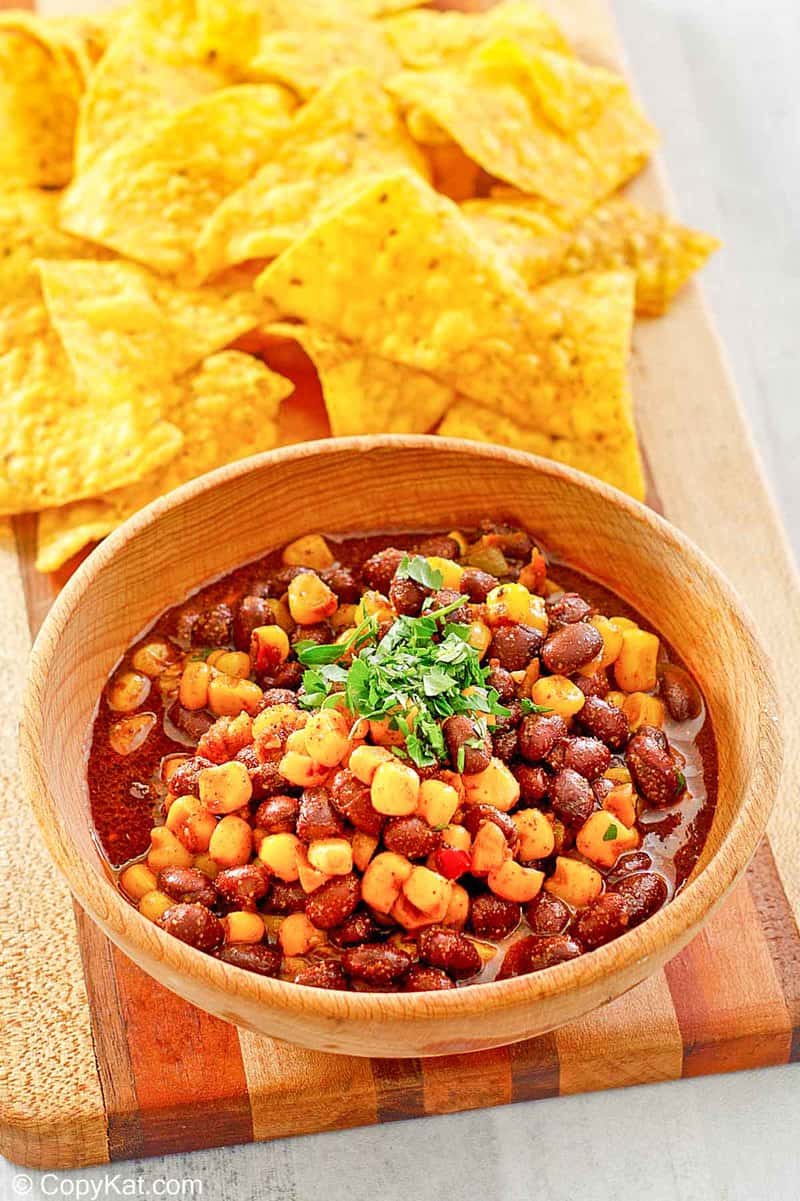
(547, 915)
(566, 609)
(354, 930)
(653, 769)
(588, 756)
(449, 950)
(502, 681)
(325, 973)
(285, 898)
(515, 646)
(448, 596)
(477, 584)
(317, 817)
(343, 583)
(407, 595)
(320, 633)
(278, 814)
(476, 815)
(594, 685)
(241, 887)
(334, 901)
(185, 780)
(534, 953)
(213, 626)
(288, 675)
(193, 924)
(605, 721)
(505, 745)
(265, 779)
(277, 696)
(380, 568)
(458, 731)
(571, 797)
(513, 542)
(601, 920)
(538, 734)
(410, 836)
(251, 612)
(439, 546)
(644, 893)
(679, 693)
(192, 722)
(376, 964)
(630, 862)
(512, 722)
(351, 798)
(555, 756)
(570, 648)
(493, 917)
(256, 957)
(426, 979)
(187, 884)
(533, 783)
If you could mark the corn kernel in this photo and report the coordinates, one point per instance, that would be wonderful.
(620, 775)
(302, 771)
(395, 789)
(514, 882)
(621, 802)
(384, 734)
(364, 847)
(225, 787)
(459, 538)
(232, 842)
(450, 571)
(623, 623)
(408, 916)
(617, 699)
(137, 880)
(457, 910)
(495, 785)
(344, 618)
(309, 551)
(437, 802)
(489, 849)
(153, 658)
(326, 737)
(536, 837)
(193, 691)
(242, 925)
(234, 663)
(170, 764)
(269, 647)
(297, 742)
(279, 853)
(427, 891)
(602, 838)
(479, 636)
(365, 761)
(574, 882)
(280, 611)
(310, 599)
(190, 821)
(383, 880)
(278, 719)
(166, 850)
(154, 904)
(559, 695)
(311, 878)
(373, 604)
(205, 864)
(457, 837)
(129, 733)
(642, 709)
(529, 678)
(297, 935)
(635, 669)
(612, 642)
(333, 856)
(514, 603)
(127, 691)
(228, 696)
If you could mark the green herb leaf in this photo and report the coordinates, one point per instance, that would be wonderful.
(461, 758)
(420, 571)
(311, 654)
(529, 707)
(681, 782)
(611, 833)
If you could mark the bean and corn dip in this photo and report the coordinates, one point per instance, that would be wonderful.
(401, 763)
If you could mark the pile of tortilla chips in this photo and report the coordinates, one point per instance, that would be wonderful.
(228, 224)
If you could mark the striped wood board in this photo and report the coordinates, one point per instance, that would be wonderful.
(98, 1062)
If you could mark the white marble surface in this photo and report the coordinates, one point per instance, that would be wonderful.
(730, 1138)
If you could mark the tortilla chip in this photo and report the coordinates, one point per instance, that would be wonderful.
(40, 86)
(347, 131)
(427, 38)
(365, 394)
(58, 445)
(453, 174)
(131, 88)
(227, 408)
(616, 235)
(304, 60)
(548, 124)
(123, 326)
(432, 295)
(149, 196)
(614, 457)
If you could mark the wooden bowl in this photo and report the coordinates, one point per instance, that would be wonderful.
(238, 513)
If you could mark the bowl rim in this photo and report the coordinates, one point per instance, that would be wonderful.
(680, 917)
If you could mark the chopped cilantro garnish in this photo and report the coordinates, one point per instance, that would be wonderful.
(611, 833)
(420, 571)
(529, 707)
(681, 782)
(420, 673)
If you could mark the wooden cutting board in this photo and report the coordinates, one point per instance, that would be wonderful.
(98, 1062)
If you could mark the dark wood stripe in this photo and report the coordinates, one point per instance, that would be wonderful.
(534, 1069)
(781, 931)
(399, 1089)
